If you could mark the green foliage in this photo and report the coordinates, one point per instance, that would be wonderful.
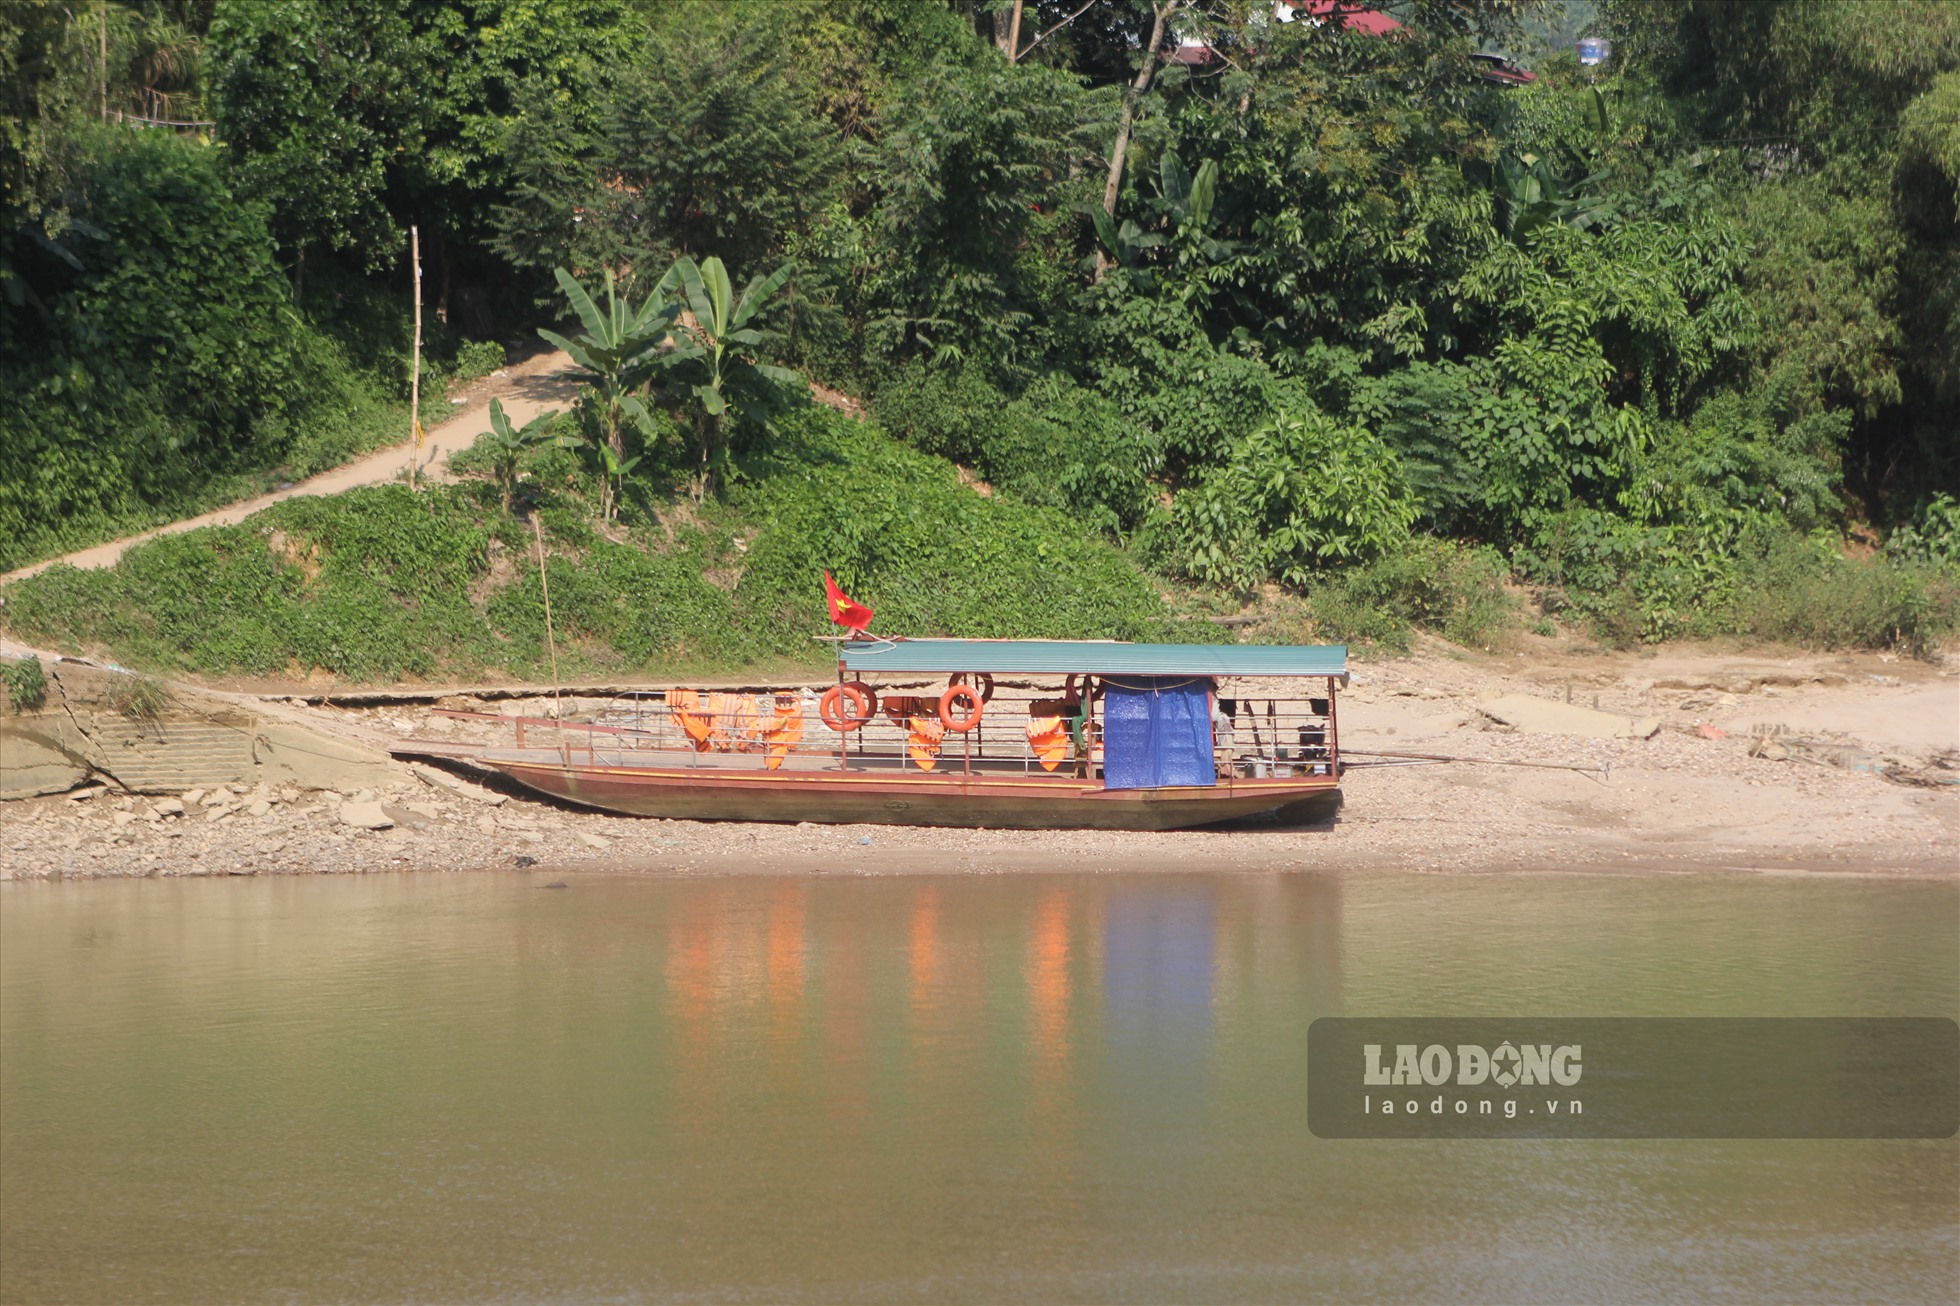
(693, 344)
(962, 167)
(1422, 412)
(1801, 590)
(1734, 458)
(166, 365)
(1455, 591)
(618, 352)
(1292, 499)
(1747, 575)
(717, 357)
(370, 584)
(1931, 537)
(1180, 258)
(621, 606)
(476, 359)
(1059, 444)
(1195, 399)
(1844, 114)
(1821, 277)
(1066, 447)
(357, 118)
(717, 142)
(953, 412)
(506, 445)
(23, 685)
(901, 532)
(313, 99)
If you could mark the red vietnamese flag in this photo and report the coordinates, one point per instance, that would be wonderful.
(844, 610)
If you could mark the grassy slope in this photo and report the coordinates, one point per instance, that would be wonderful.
(380, 584)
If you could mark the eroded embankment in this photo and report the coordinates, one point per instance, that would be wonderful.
(144, 736)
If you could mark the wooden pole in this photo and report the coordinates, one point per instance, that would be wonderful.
(102, 54)
(415, 374)
(550, 640)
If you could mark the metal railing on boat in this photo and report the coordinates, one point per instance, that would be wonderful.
(1262, 738)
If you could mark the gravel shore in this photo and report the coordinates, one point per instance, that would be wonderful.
(1737, 776)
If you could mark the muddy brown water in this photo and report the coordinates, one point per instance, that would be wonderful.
(985, 1088)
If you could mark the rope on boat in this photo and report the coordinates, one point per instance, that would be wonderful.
(1603, 772)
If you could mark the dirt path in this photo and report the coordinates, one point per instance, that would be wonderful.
(526, 390)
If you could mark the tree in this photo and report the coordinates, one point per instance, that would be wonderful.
(716, 143)
(618, 352)
(718, 356)
(1150, 55)
(317, 107)
(509, 443)
(964, 171)
(359, 117)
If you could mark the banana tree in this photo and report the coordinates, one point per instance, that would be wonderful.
(618, 353)
(715, 354)
(1529, 191)
(508, 443)
(1182, 213)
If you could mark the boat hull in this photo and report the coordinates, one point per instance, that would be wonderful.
(1012, 801)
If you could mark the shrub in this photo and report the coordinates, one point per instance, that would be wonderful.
(903, 534)
(1743, 574)
(1300, 495)
(1058, 445)
(477, 358)
(953, 412)
(1195, 399)
(1452, 589)
(1801, 590)
(1930, 536)
(23, 685)
(1065, 447)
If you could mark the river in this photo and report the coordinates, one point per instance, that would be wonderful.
(1081, 1086)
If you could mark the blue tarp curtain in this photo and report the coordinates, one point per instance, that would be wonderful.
(1156, 732)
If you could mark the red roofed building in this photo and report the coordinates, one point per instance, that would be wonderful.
(1354, 15)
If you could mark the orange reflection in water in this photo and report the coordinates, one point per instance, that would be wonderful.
(786, 956)
(694, 950)
(926, 956)
(923, 949)
(1048, 990)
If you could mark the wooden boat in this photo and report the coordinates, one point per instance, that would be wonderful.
(1081, 734)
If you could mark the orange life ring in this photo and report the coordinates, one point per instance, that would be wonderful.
(862, 703)
(960, 722)
(982, 679)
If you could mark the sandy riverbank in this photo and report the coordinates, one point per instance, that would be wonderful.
(1679, 799)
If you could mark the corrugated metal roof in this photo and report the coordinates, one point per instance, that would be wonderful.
(1061, 657)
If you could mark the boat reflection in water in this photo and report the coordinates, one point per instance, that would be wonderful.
(1028, 1087)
